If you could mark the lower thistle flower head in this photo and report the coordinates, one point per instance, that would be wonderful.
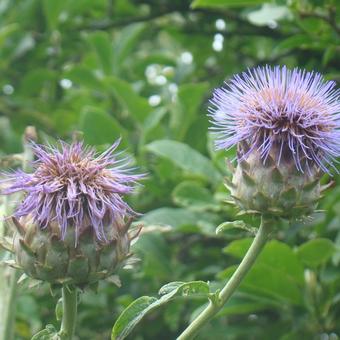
(286, 126)
(73, 222)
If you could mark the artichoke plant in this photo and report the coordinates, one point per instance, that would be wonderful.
(73, 222)
(285, 124)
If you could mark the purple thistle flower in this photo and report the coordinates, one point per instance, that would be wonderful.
(294, 111)
(75, 187)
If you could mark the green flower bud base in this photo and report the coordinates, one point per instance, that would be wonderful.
(275, 187)
(43, 255)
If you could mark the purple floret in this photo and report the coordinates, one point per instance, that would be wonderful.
(292, 110)
(75, 187)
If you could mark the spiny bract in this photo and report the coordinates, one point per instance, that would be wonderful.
(73, 222)
(286, 125)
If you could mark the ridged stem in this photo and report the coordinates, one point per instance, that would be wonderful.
(68, 323)
(9, 290)
(10, 305)
(215, 305)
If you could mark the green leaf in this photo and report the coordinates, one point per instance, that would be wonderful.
(6, 31)
(83, 76)
(191, 161)
(295, 41)
(101, 43)
(240, 305)
(52, 10)
(275, 254)
(178, 288)
(277, 272)
(190, 97)
(182, 219)
(268, 14)
(174, 217)
(328, 55)
(316, 252)
(137, 106)
(153, 120)
(194, 196)
(226, 3)
(132, 315)
(126, 43)
(156, 255)
(37, 80)
(49, 333)
(99, 128)
(234, 224)
(59, 309)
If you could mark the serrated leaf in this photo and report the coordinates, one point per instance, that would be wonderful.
(133, 314)
(184, 288)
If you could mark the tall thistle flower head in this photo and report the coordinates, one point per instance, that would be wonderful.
(73, 209)
(283, 120)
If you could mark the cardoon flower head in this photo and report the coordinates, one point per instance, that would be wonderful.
(294, 111)
(73, 222)
(286, 125)
(75, 188)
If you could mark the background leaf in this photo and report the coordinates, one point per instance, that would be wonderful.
(315, 252)
(99, 127)
(143, 305)
(226, 3)
(191, 161)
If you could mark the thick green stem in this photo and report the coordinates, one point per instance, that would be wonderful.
(10, 304)
(215, 306)
(68, 323)
(9, 287)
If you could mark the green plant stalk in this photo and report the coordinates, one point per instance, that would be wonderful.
(9, 289)
(68, 323)
(10, 305)
(215, 305)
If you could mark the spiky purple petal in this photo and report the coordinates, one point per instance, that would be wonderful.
(293, 109)
(75, 187)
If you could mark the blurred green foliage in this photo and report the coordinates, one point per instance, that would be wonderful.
(144, 70)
